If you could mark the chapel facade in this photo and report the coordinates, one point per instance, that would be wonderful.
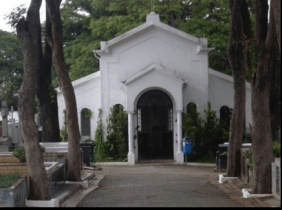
(155, 72)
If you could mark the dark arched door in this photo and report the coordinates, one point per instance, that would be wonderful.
(155, 127)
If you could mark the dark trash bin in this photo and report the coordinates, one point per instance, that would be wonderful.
(221, 156)
(87, 148)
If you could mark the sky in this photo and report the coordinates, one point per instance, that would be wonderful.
(7, 6)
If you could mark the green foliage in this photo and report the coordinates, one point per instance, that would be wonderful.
(88, 113)
(42, 149)
(116, 133)
(16, 14)
(206, 134)
(7, 180)
(59, 155)
(11, 67)
(276, 153)
(64, 130)
(20, 154)
(276, 149)
(100, 147)
(88, 22)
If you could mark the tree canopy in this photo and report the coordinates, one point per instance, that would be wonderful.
(11, 68)
(88, 22)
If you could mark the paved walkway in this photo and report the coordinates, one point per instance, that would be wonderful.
(157, 186)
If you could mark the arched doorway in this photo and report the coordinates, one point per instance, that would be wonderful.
(155, 126)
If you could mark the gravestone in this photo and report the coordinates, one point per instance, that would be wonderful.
(5, 140)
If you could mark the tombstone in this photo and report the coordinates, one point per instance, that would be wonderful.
(12, 120)
(5, 140)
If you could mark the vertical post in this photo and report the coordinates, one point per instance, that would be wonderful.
(131, 155)
(179, 154)
(4, 113)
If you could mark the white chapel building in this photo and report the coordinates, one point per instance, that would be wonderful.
(154, 71)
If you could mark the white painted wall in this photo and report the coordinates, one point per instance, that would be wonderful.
(88, 95)
(221, 93)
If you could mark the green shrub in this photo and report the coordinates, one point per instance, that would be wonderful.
(64, 131)
(205, 133)
(100, 147)
(59, 155)
(7, 180)
(20, 154)
(276, 149)
(117, 133)
(42, 149)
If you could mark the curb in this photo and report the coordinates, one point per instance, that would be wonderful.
(77, 197)
(155, 163)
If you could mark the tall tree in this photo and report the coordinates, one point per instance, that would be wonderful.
(29, 36)
(56, 42)
(238, 47)
(45, 93)
(262, 153)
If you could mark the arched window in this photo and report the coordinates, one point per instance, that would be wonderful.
(192, 110)
(85, 116)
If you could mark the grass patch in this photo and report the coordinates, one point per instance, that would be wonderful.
(7, 180)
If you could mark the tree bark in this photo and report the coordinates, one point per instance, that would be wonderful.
(47, 97)
(28, 32)
(239, 41)
(276, 7)
(262, 153)
(74, 158)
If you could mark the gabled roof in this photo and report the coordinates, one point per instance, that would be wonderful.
(82, 80)
(225, 77)
(153, 20)
(150, 68)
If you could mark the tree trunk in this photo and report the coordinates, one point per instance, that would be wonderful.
(74, 158)
(239, 40)
(276, 7)
(28, 32)
(45, 94)
(262, 153)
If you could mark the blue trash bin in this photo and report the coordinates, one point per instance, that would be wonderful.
(187, 146)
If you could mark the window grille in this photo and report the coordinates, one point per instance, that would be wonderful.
(170, 120)
(139, 120)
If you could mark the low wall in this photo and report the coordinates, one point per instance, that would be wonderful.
(15, 195)
(8, 158)
(11, 168)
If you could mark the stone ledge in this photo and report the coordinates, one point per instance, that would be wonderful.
(49, 203)
(247, 194)
(223, 179)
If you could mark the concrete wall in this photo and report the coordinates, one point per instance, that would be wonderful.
(15, 195)
(221, 93)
